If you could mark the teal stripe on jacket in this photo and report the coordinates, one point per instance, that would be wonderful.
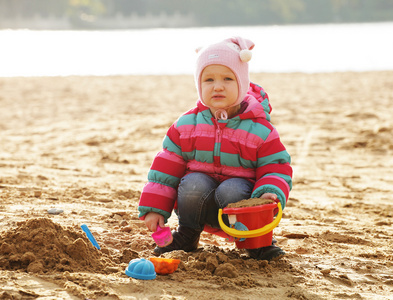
(279, 157)
(287, 178)
(254, 128)
(235, 160)
(193, 119)
(265, 104)
(171, 146)
(199, 155)
(163, 178)
(186, 120)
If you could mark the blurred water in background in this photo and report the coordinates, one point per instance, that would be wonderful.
(297, 48)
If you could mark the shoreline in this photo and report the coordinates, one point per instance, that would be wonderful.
(188, 74)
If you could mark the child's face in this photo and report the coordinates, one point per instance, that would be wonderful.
(219, 87)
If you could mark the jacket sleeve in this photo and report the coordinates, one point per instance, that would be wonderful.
(274, 173)
(160, 192)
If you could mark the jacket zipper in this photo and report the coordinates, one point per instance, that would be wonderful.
(217, 145)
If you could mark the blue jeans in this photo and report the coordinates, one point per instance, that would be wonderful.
(200, 196)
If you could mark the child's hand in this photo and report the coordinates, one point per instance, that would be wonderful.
(152, 220)
(269, 196)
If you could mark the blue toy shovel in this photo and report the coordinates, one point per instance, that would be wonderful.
(90, 236)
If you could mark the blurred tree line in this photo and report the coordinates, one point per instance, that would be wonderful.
(211, 12)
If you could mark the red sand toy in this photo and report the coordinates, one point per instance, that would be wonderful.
(258, 219)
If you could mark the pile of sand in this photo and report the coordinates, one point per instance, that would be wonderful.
(41, 246)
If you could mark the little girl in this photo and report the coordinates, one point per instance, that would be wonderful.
(222, 151)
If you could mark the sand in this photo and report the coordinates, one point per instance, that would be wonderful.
(250, 202)
(83, 146)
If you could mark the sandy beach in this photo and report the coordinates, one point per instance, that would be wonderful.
(83, 146)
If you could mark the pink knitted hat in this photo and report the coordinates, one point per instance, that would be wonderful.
(233, 53)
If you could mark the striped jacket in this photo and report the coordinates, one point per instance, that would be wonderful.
(246, 146)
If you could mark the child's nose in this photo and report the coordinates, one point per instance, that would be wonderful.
(218, 86)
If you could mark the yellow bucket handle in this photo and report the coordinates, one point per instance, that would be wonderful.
(250, 233)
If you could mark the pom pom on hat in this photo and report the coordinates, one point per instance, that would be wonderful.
(233, 53)
(245, 55)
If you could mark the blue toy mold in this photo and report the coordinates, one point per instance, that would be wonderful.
(141, 268)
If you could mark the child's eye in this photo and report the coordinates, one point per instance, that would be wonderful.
(208, 80)
(228, 78)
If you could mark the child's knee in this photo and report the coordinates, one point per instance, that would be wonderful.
(196, 184)
(235, 189)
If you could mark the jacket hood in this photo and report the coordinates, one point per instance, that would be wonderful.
(258, 103)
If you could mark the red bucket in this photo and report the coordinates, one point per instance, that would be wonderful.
(259, 221)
